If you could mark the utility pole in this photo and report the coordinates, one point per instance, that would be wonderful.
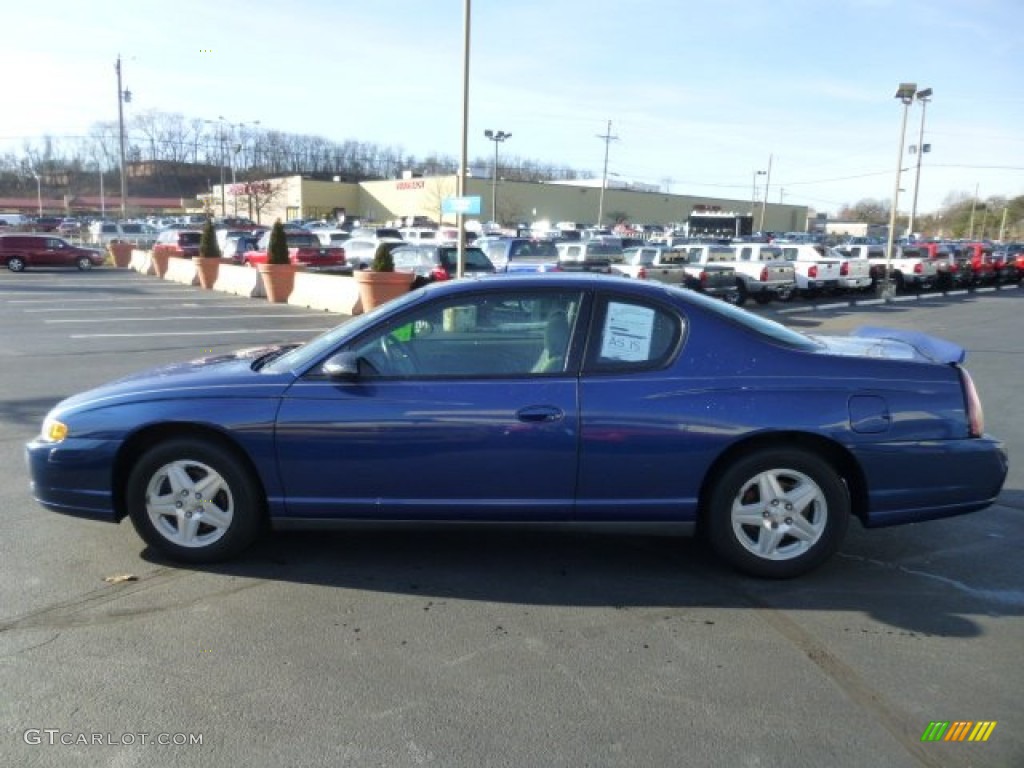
(120, 123)
(608, 139)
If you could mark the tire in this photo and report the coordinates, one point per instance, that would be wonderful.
(778, 513)
(194, 501)
(737, 296)
(16, 264)
(84, 263)
(763, 297)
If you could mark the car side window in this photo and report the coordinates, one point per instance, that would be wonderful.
(493, 335)
(632, 335)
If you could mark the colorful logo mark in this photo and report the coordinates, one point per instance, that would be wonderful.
(958, 730)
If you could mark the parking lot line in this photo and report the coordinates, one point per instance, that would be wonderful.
(189, 304)
(161, 318)
(207, 332)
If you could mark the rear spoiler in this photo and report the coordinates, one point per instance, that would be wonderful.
(935, 349)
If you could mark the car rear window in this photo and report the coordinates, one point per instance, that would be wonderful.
(189, 238)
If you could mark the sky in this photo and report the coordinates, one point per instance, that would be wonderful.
(700, 95)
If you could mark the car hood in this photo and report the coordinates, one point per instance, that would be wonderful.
(893, 344)
(224, 375)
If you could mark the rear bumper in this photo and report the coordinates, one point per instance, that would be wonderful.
(914, 482)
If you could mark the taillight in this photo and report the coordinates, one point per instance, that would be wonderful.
(975, 414)
(812, 271)
(703, 277)
(764, 274)
(440, 273)
(641, 274)
(918, 268)
(844, 269)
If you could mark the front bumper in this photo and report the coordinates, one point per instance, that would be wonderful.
(73, 477)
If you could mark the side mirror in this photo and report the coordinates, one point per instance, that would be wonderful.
(344, 366)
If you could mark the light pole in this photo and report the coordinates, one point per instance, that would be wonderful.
(764, 203)
(497, 137)
(923, 96)
(753, 197)
(608, 139)
(39, 191)
(122, 97)
(460, 182)
(904, 93)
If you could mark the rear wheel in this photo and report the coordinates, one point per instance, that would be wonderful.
(16, 264)
(84, 263)
(737, 296)
(194, 501)
(786, 294)
(778, 513)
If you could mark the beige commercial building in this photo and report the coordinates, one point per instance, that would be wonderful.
(295, 197)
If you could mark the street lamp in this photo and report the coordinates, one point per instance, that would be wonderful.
(764, 203)
(923, 96)
(904, 93)
(497, 137)
(753, 196)
(39, 191)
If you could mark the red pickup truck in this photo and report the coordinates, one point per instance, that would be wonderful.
(304, 249)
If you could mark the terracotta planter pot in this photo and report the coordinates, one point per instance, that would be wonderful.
(279, 280)
(160, 262)
(121, 253)
(207, 268)
(376, 288)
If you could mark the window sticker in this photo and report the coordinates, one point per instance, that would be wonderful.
(627, 333)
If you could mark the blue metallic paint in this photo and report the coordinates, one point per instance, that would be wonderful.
(629, 448)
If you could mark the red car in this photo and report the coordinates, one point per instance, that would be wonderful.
(304, 249)
(20, 251)
(980, 255)
(178, 242)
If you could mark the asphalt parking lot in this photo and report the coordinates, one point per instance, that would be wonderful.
(445, 648)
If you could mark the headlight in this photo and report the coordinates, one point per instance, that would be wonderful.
(53, 431)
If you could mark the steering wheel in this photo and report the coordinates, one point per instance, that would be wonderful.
(398, 356)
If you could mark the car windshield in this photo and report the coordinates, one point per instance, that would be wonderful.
(302, 240)
(302, 357)
(474, 259)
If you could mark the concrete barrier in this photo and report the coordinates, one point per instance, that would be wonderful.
(142, 262)
(240, 281)
(332, 293)
(182, 271)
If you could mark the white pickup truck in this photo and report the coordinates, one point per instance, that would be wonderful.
(816, 268)
(704, 268)
(763, 273)
(910, 270)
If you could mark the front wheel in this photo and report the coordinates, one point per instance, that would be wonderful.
(778, 513)
(84, 263)
(737, 295)
(786, 294)
(16, 264)
(194, 501)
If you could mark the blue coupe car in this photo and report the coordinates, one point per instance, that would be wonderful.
(551, 398)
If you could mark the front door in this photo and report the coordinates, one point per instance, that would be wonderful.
(462, 411)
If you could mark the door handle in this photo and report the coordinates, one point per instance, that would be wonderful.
(538, 413)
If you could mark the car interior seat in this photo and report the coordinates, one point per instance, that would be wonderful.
(556, 343)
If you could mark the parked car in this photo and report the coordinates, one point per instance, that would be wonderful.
(953, 267)
(68, 227)
(815, 268)
(235, 247)
(304, 248)
(763, 273)
(432, 263)
(594, 255)
(559, 398)
(141, 235)
(183, 243)
(521, 254)
(21, 251)
(46, 223)
(982, 263)
(359, 251)
(1012, 254)
(910, 269)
